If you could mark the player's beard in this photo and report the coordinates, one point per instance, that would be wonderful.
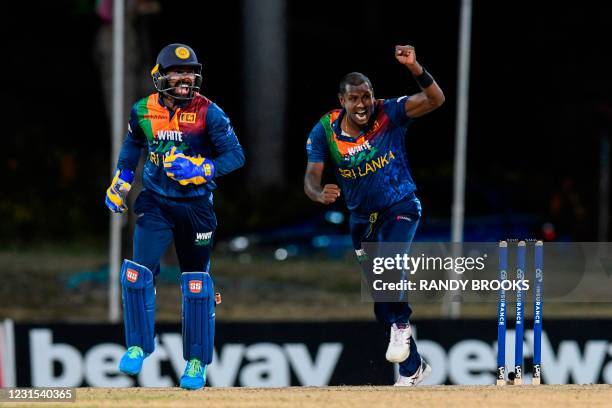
(183, 89)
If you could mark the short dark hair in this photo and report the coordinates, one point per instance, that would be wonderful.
(353, 79)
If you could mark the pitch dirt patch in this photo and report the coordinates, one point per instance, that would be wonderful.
(353, 397)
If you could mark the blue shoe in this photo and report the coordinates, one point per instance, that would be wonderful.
(194, 376)
(131, 362)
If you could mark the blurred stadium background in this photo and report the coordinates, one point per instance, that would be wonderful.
(540, 118)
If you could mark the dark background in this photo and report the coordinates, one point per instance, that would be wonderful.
(539, 106)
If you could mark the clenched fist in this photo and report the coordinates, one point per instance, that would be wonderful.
(406, 55)
(329, 194)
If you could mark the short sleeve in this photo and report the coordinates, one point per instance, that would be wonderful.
(316, 145)
(396, 110)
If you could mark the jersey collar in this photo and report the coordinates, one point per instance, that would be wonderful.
(180, 105)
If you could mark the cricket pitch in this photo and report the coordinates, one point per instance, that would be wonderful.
(350, 397)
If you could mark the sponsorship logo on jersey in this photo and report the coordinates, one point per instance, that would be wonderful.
(131, 275)
(359, 154)
(156, 116)
(203, 238)
(352, 151)
(187, 117)
(362, 256)
(365, 163)
(195, 286)
(169, 135)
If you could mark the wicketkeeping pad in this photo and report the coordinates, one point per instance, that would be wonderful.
(138, 295)
(198, 316)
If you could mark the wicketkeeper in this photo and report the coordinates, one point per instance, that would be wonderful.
(190, 143)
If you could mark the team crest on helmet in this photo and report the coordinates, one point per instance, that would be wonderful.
(182, 52)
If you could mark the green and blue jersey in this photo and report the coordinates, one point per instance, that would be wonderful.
(198, 129)
(372, 169)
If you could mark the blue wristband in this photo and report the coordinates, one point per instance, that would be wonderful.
(126, 175)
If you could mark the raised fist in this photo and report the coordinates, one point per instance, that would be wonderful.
(405, 54)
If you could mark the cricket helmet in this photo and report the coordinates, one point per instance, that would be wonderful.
(176, 55)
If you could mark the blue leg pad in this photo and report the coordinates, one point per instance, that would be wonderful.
(198, 316)
(138, 295)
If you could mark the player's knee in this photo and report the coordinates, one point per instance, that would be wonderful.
(150, 263)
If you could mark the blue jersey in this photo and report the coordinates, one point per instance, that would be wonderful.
(198, 129)
(372, 169)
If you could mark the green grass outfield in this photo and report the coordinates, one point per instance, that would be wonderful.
(350, 397)
(295, 289)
